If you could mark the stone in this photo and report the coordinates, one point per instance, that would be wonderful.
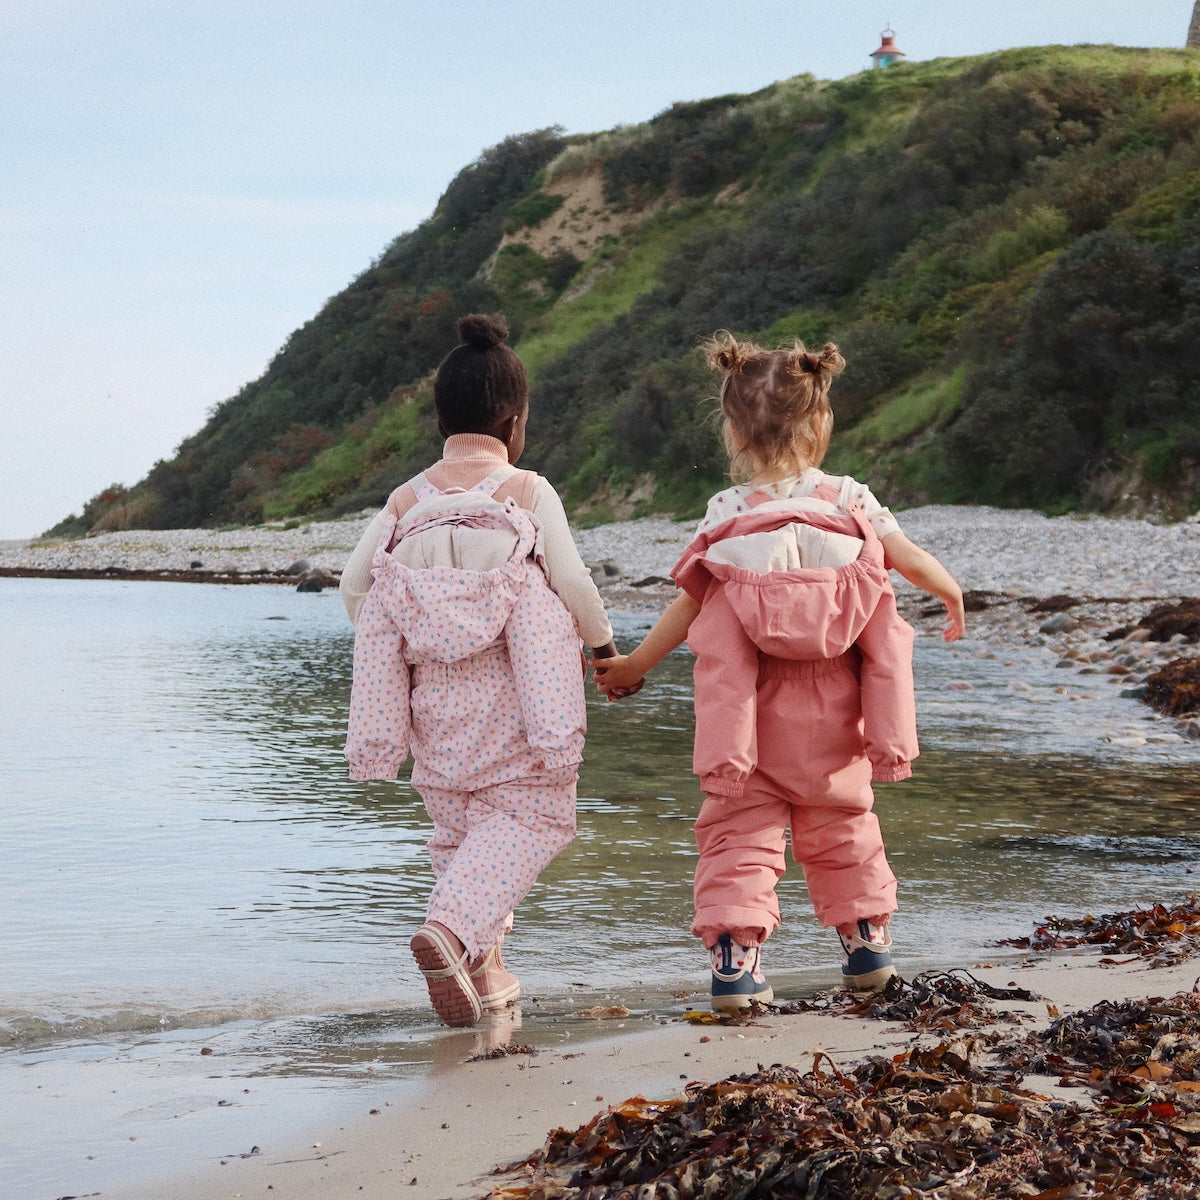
(1059, 623)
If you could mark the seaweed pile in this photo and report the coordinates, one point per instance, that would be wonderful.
(938, 1001)
(1160, 934)
(1174, 689)
(928, 1122)
(934, 1121)
(1180, 619)
(1115, 1048)
(935, 1000)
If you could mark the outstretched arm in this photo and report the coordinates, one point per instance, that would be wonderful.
(922, 570)
(616, 676)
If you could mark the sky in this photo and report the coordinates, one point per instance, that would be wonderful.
(184, 184)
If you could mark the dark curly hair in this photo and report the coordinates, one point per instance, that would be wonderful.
(481, 381)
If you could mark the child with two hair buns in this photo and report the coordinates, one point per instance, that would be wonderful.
(803, 674)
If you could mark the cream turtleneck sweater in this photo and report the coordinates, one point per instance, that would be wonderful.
(466, 459)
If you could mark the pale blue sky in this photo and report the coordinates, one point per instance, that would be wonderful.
(182, 185)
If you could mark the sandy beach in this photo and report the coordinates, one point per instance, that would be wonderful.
(476, 1116)
(442, 1138)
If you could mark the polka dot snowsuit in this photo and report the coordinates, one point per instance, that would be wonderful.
(477, 672)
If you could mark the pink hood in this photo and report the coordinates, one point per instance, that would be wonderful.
(750, 617)
(801, 613)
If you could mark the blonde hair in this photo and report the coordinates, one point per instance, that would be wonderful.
(776, 404)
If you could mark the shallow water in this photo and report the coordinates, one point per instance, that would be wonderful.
(187, 865)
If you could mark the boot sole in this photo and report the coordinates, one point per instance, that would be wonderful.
(451, 991)
(873, 981)
(739, 1003)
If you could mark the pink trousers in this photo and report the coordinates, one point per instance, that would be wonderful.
(813, 780)
(490, 845)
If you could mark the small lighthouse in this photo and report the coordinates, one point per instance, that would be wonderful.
(888, 51)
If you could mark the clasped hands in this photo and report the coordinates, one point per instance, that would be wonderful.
(616, 677)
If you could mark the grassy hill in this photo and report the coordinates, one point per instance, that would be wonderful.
(1006, 248)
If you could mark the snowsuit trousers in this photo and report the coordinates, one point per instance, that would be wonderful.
(490, 845)
(813, 779)
(500, 816)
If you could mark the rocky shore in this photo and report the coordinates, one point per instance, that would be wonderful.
(1067, 584)
(1002, 551)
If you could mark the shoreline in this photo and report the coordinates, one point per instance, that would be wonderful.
(1003, 551)
(471, 1121)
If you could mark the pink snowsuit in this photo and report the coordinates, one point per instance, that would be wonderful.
(803, 694)
(478, 673)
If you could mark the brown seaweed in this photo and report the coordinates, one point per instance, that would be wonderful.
(1161, 934)
(1174, 689)
(934, 1121)
(927, 1122)
(934, 1000)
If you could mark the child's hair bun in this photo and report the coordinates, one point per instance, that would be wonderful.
(481, 331)
(827, 361)
(726, 354)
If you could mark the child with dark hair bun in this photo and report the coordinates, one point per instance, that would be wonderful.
(803, 675)
(470, 601)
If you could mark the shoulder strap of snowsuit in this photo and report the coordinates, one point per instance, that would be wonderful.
(424, 489)
(519, 485)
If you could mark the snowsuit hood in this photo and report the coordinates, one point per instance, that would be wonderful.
(788, 608)
(428, 616)
(763, 608)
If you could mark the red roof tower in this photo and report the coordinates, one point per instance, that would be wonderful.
(888, 51)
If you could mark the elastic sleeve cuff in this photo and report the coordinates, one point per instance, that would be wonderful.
(553, 759)
(892, 774)
(719, 785)
(388, 769)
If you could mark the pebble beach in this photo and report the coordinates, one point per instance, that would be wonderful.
(1003, 551)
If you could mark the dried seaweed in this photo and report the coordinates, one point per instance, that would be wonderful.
(932, 1121)
(939, 1001)
(934, 1000)
(1162, 935)
(1119, 1046)
(927, 1122)
(1054, 604)
(503, 1051)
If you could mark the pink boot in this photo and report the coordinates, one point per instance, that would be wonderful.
(496, 986)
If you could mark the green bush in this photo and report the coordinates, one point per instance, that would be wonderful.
(1045, 228)
(532, 210)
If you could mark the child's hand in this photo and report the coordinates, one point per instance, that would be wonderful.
(956, 618)
(616, 677)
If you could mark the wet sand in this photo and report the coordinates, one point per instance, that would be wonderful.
(446, 1141)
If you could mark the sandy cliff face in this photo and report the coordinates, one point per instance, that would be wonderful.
(582, 221)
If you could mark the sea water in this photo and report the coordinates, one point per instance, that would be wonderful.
(199, 910)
